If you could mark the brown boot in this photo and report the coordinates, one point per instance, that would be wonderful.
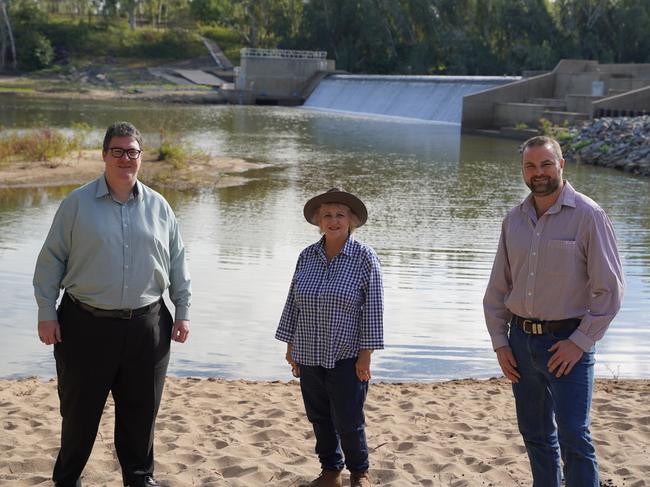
(327, 478)
(359, 479)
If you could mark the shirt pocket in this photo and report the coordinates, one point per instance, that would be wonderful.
(560, 257)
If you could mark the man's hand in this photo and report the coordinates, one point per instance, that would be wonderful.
(362, 365)
(181, 330)
(295, 369)
(49, 331)
(565, 355)
(508, 363)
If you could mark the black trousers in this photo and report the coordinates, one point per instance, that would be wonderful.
(126, 357)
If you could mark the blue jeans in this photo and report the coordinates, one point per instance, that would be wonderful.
(334, 401)
(552, 411)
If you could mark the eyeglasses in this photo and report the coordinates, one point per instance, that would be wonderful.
(118, 152)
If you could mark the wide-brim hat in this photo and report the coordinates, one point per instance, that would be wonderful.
(336, 195)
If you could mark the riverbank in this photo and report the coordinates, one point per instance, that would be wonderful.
(213, 432)
(621, 143)
(106, 82)
(83, 166)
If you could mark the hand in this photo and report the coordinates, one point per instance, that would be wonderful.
(362, 365)
(49, 331)
(295, 368)
(508, 363)
(566, 355)
(181, 330)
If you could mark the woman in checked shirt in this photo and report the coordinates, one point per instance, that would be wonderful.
(331, 322)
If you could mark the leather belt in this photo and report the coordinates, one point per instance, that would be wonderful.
(534, 326)
(122, 314)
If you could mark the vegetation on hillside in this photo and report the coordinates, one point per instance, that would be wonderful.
(473, 37)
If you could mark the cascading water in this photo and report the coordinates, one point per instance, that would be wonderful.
(431, 98)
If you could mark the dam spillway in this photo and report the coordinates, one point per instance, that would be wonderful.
(429, 98)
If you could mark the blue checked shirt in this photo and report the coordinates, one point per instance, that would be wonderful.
(334, 309)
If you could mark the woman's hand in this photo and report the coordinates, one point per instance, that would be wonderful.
(363, 365)
(295, 369)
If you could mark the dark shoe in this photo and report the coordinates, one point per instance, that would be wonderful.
(359, 479)
(327, 478)
(61, 484)
(146, 481)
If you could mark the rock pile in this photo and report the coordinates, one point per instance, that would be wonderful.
(622, 143)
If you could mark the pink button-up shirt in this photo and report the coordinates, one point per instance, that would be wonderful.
(563, 265)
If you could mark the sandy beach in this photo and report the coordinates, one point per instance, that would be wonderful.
(213, 432)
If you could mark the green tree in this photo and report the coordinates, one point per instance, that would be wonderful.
(7, 40)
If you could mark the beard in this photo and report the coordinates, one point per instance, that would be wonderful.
(543, 186)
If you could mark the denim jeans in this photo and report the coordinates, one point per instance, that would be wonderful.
(334, 400)
(553, 414)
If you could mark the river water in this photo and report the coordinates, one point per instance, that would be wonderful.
(435, 198)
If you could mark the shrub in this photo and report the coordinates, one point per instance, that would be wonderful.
(582, 144)
(176, 155)
(42, 144)
(559, 132)
(35, 51)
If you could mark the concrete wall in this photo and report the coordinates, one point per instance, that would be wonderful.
(635, 70)
(479, 108)
(633, 102)
(624, 84)
(577, 83)
(280, 77)
(580, 103)
(509, 114)
(571, 81)
(568, 66)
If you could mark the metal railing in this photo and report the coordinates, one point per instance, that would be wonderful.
(250, 52)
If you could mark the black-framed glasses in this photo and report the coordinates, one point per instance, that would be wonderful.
(118, 152)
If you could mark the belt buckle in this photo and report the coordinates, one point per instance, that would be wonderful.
(126, 314)
(532, 327)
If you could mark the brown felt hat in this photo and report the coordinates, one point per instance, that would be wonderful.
(336, 195)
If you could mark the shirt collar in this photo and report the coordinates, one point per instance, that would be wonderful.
(102, 188)
(567, 197)
(347, 248)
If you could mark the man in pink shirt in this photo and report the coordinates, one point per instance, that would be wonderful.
(556, 284)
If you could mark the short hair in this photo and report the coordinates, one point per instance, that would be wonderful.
(121, 129)
(542, 140)
(354, 219)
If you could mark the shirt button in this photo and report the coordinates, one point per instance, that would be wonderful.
(534, 254)
(530, 294)
(126, 266)
(532, 273)
(126, 245)
(538, 234)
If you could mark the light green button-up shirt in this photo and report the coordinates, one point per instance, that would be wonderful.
(112, 255)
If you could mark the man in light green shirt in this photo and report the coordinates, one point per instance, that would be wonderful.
(114, 248)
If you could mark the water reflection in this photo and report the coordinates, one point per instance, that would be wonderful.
(436, 201)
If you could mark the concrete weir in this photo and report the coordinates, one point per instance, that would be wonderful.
(429, 98)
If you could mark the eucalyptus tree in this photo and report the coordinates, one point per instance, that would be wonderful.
(6, 33)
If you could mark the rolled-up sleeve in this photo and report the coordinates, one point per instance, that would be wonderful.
(52, 261)
(497, 315)
(606, 281)
(372, 316)
(289, 319)
(180, 290)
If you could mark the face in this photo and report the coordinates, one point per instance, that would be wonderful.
(122, 169)
(542, 170)
(334, 220)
